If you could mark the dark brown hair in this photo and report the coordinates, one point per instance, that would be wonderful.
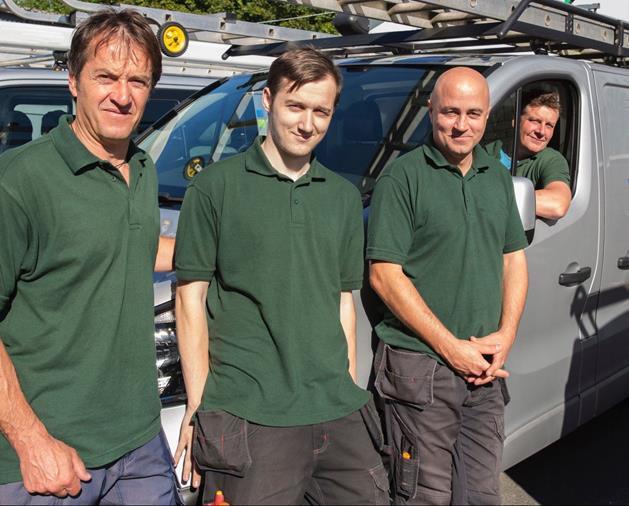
(303, 66)
(538, 97)
(104, 26)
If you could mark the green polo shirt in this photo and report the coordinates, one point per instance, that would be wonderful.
(541, 168)
(76, 294)
(449, 233)
(277, 254)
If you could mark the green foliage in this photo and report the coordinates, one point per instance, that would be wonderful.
(245, 10)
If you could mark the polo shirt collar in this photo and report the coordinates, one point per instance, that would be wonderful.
(77, 157)
(256, 161)
(480, 158)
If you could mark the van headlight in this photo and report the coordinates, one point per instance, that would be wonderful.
(169, 376)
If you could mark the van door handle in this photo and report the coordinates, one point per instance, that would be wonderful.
(623, 263)
(574, 278)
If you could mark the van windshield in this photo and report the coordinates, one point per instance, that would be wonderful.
(382, 113)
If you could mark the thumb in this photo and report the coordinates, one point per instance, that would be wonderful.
(79, 468)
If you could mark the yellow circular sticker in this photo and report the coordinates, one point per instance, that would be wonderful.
(193, 167)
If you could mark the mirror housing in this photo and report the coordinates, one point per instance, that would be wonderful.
(525, 200)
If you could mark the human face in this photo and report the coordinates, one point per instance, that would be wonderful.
(111, 93)
(537, 125)
(459, 112)
(299, 119)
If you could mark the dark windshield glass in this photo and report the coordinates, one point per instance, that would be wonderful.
(382, 114)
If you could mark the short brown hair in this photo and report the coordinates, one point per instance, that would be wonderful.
(538, 97)
(302, 66)
(128, 25)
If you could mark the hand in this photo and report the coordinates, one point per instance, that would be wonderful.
(502, 343)
(185, 445)
(49, 466)
(467, 359)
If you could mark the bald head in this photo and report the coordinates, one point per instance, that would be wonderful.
(462, 80)
(459, 108)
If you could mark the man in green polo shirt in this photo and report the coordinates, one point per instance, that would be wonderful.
(544, 166)
(79, 225)
(446, 256)
(269, 249)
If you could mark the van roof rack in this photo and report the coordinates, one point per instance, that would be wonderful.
(486, 26)
(210, 32)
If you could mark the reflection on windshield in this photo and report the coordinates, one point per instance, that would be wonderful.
(382, 113)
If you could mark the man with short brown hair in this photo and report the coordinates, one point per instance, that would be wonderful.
(269, 249)
(543, 165)
(79, 234)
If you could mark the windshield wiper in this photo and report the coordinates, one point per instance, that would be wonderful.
(167, 198)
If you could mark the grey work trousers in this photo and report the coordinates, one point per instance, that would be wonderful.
(333, 462)
(443, 431)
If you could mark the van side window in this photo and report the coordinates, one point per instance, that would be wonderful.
(503, 135)
(29, 112)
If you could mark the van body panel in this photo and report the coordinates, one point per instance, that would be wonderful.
(550, 363)
(612, 319)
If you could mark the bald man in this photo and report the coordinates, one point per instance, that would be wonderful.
(445, 246)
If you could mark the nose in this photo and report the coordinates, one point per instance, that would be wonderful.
(461, 123)
(121, 93)
(307, 122)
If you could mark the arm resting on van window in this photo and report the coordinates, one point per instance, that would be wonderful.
(400, 295)
(48, 466)
(165, 254)
(514, 287)
(348, 322)
(553, 201)
(193, 341)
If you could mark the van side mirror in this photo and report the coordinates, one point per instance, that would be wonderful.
(525, 200)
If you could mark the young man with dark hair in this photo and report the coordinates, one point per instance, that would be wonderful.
(446, 255)
(79, 225)
(269, 249)
(544, 166)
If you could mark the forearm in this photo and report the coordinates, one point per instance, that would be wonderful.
(398, 292)
(193, 340)
(348, 322)
(18, 422)
(165, 254)
(515, 286)
(553, 201)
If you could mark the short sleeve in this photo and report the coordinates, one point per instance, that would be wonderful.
(14, 233)
(390, 230)
(197, 237)
(554, 169)
(351, 254)
(515, 238)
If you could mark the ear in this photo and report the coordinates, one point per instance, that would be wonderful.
(429, 104)
(73, 84)
(267, 99)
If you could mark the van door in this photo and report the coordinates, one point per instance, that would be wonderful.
(612, 88)
(554, 356)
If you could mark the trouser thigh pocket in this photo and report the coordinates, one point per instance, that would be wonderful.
(406, 459)
(406, 376)
(220, 443)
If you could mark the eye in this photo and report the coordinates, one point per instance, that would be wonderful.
(139, 83)
(104, 79)
(294, 107)
(322, 113)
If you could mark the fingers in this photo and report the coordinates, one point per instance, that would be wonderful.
(196, 476)
(187, 467)
(181, 446)
(79, 467)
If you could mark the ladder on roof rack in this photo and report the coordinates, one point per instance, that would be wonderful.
(540, 25)
(224, 28)
(211, 33)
